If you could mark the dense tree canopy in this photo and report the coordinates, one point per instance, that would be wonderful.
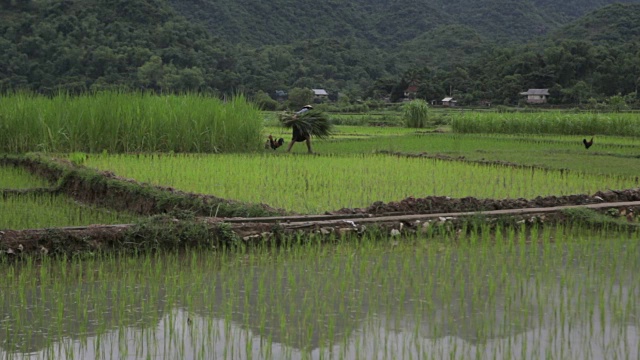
(487, 50)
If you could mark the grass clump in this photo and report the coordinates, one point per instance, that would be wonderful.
(416, 114)
(590, 217)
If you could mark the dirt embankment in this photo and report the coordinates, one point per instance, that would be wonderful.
(172, 233)
(445, 204)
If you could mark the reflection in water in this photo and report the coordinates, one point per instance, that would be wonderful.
(538, 302)
(179, 335)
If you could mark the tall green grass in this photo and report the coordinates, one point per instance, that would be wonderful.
(127, 122)
(622, 124)
(416, 114)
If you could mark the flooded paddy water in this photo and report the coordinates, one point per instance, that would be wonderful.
(572, 294)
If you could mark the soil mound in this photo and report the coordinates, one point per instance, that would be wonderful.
(445, 204)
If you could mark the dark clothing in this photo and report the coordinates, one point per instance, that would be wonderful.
(298, 135)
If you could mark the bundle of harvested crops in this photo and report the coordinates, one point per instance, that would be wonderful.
(313, 122)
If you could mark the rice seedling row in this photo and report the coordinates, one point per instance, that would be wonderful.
(313, 184)
(38, 211)
(552, 293)
(12, 177)
(609, 155)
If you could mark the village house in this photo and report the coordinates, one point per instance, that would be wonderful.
(536, 96)
(411, 92)
(281, 95)
(320, 94)
(449, 101)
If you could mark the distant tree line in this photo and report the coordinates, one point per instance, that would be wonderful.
(76, 46)
(575, 72)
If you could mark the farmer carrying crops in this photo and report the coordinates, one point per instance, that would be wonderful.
(300, 134)
(305, 124)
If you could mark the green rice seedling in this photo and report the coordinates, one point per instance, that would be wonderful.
(19, 212)
(610, 155)
(18, 178)
(322, 183)
(565, 292)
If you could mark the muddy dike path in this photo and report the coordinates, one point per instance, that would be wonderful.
(178, 220)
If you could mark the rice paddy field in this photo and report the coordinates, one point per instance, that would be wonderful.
(486, 292)
(315, 184)
(561, 293)
(19, 178)
(25, 203)
(39, 211)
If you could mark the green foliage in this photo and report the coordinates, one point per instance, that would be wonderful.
(347, 48)
(299, 97)
(616, 103)
(78, 158)
(584, 216)
(561, 123)
(416, 114)
(81, 46)
(128, 122)
(264, 101)
(282, 21)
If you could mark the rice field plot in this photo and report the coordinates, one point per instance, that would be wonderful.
(36, 211)
(568, 294)
(371, 118)
(609, 154)
(314, 184)
(17, 178)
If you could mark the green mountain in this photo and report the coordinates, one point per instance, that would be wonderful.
(479, 49)
(618, 23)
(77, 45)
(383, 23)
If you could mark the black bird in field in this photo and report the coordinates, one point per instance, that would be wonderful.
(587, 144)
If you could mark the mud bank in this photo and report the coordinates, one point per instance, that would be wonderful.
(169, 233)
(445, 204)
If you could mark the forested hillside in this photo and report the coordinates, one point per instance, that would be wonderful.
(475, 50)
(385, 23)
(80, 45)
